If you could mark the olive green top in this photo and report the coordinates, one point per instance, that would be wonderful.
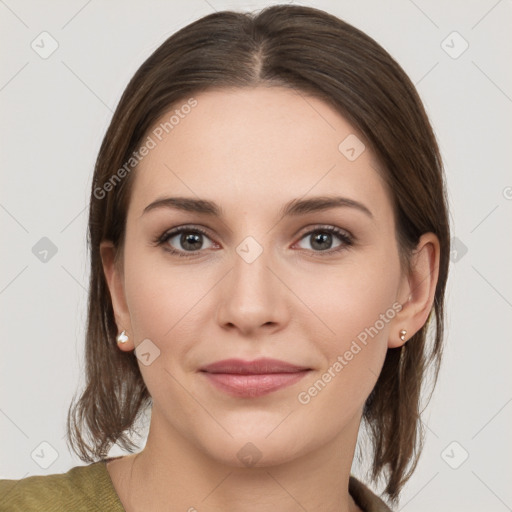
(89, 488)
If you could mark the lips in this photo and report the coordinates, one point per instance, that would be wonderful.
(250, 379)
(258, 366)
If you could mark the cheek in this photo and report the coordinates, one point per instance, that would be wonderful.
(355, 308)
(358, 306)
(351, 297)
(165, 305)
(159, 294)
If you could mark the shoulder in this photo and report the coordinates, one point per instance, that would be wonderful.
(366, 499)
(81, 489)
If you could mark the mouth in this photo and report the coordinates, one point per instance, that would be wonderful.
(251, 379)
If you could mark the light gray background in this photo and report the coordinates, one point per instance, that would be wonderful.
(54, 114)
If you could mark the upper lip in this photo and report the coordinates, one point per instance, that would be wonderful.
(258, 366)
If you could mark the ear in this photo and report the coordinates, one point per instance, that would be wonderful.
(115, 280)
(417, 290)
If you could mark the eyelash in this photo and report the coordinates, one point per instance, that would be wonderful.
(347, 239)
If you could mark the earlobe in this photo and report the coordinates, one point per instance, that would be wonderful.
(422, 282)
(122, 340)
(115, 283)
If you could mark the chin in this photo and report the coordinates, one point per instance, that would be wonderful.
(255, 450)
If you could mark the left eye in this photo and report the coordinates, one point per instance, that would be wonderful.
(321, 239)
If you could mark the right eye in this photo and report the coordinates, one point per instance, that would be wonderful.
(191, 240)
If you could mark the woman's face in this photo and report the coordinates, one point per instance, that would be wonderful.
(264, 278)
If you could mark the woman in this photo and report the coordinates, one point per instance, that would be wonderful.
(269, 246)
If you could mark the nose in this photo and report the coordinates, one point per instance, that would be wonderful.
(253, 296)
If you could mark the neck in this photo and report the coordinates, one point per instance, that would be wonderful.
(172, 470)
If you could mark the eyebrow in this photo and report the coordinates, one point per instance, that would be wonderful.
(293, 208)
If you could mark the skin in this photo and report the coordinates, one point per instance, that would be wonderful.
(251, 151)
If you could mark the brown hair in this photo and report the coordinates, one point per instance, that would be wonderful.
(318, 54)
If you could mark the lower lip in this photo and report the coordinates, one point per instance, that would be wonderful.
(252, 386)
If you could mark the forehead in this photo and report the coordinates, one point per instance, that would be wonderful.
(264, 144)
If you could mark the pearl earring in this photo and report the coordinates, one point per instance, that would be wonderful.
(122, 337)
(402, 334)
